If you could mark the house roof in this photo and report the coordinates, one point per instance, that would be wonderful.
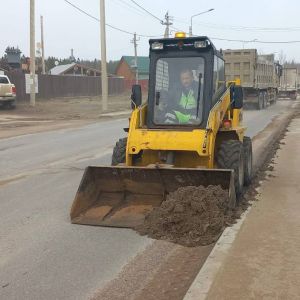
(142, 62)
(57, 70)
(61, 69)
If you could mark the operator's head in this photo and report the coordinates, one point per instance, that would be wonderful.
(186, 78)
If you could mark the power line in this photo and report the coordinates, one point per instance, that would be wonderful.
(147, 11)
(152, 36)
(240, 28)
(130, 7)
(244, 28)
(256, 41)
(108, 25)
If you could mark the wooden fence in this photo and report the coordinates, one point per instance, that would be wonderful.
(53, 86)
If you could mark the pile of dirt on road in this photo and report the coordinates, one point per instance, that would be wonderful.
(190, 216)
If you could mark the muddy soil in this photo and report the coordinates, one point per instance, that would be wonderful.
(69, 108)
(197, 216)
(190, 216)
(58, 113)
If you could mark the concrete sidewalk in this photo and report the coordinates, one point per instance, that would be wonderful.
(264, 261)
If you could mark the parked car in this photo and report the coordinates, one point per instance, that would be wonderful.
(7, 92)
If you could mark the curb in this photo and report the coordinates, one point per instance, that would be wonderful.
(201, 285)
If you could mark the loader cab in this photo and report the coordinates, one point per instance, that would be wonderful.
(186, 79)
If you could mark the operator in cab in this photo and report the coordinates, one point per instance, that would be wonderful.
(183, 105)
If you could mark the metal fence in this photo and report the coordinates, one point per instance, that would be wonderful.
(53, 86)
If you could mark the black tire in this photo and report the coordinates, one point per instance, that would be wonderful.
(119, 153)
(260, 101)
(275, 96)
(230, 155)
(265, 100)
(9, 104)
(248, 160)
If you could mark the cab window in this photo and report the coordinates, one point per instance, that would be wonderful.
(218, 78)
(178, 90)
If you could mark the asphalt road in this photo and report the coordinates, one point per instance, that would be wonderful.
(43, 256)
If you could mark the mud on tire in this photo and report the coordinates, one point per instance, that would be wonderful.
(230, 155)
(247, 145)
(119, 152)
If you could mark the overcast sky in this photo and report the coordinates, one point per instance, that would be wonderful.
(67, 28)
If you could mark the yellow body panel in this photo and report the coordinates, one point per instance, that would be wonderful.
(192, 148)
(144, 139)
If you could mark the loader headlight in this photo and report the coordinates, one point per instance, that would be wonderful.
(157, 46)
(200, 44)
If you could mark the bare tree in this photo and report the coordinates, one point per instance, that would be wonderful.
(282, 58)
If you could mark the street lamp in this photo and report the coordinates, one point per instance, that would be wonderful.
(203, 12)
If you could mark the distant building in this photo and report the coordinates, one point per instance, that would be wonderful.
(13, 57)
(126, 68)
(74, 69)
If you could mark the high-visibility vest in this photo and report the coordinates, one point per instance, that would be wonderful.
(187, 102)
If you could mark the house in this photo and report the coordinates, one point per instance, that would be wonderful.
(126, 69)
(74, 69)
(13, 56)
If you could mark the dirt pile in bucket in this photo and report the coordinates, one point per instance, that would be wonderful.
(190, 216)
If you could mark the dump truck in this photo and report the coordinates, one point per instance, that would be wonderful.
(188, 133)
(7, 92)
(288, 83)
(259, 75)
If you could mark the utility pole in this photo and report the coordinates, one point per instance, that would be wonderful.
(104, 80)
(168, 23)
(32, 53)
(134, 41)
(43, 46)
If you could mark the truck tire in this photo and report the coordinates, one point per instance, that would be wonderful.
(260, 101)
(119, 152)
(230, 155)
(265, 99)
(275, 95)
(248, 160)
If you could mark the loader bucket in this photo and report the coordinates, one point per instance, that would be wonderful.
(121, 196)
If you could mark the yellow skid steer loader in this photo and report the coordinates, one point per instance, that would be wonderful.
(188, 133)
